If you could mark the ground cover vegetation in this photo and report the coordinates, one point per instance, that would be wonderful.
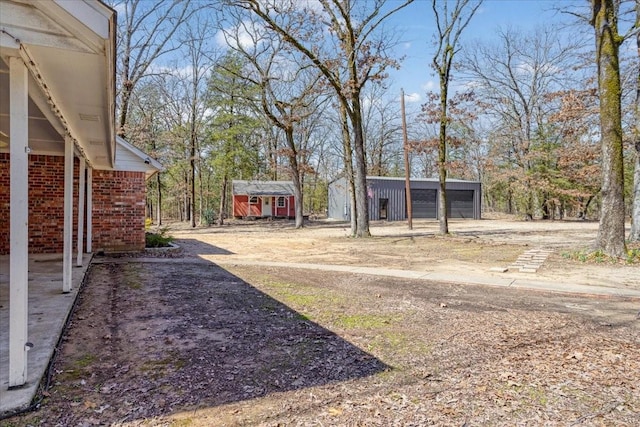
(225, 90)
(199, 337)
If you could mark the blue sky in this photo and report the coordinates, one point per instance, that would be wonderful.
(416, 21)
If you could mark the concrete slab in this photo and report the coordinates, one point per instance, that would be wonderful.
(48, 311)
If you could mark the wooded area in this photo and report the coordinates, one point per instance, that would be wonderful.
(284, 89)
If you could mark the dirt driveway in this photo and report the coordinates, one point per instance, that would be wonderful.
(475, 248)
(181, 341)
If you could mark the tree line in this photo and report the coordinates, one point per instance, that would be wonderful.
(298, 90)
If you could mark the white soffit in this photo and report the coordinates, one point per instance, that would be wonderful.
(68, 46)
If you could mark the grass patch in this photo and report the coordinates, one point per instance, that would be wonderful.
(156, 368)
(302, 300)
(85, 361)
(599, 257)
(132, 277)
(78, 368)
(363, 321)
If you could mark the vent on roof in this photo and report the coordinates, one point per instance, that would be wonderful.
(95, 142)
(89, 117)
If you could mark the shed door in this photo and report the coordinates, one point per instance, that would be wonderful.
(423, 203)
(460, 203)
(266, 206)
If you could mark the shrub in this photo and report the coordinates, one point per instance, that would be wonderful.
(158, 240)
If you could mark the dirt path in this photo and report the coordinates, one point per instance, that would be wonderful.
(475, 248)
(180, 341)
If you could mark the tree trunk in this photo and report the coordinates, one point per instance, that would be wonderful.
(348, 166)
(611, 228)
(360, 177)
(200, 196)
(634, 235)
(192, 178)
(223, 199)
(159, 205)
(442, 159)
(295, 175)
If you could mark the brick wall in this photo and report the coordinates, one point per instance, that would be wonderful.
(46, 198)
(118, 206)
(118, 210)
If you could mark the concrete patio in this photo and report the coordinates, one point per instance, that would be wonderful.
(48, 311)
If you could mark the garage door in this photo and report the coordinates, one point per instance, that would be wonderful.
(460, 203)
(423, 203)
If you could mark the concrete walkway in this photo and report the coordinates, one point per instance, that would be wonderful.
(48, 311)
(49, 308)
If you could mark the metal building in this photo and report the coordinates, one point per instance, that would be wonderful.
(387, 198)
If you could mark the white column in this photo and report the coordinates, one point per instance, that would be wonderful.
(80, 232)
(89, 208)
(67, 252)
(19, 222)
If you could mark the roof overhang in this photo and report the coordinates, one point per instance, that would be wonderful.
(131, 158)
(262, 188)
(69, 48)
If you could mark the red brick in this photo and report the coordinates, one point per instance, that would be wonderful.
(118, 206)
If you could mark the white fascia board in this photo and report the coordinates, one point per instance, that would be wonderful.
(93, 14)
(8, 42)
(147, 162)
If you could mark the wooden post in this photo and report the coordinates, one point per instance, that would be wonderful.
(81, 190)
(67, 254)
(407, 171)
(19, 222)
(89, 209)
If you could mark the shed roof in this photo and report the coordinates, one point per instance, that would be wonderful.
(262, 188)
(394, 178)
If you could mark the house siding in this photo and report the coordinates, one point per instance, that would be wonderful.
(115, 195)
(242, 208)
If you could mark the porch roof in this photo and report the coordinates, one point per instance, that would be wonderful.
(69, 49)
(262, 188)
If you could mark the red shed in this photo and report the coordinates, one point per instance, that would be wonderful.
(263, 199)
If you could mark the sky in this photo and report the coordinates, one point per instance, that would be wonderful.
(417, 23)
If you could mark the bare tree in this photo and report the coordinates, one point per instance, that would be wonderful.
(611, 234)
(634, 235)
(200, 54)
(289, 87)
(382, 129)
(145, 32)
(450, 24)
(344, 42)
(513, 80)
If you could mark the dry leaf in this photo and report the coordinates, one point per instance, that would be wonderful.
(335, 411)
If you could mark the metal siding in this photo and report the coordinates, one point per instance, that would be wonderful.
(424, 203)
(460, 203)
(394, 191)
(339, 203)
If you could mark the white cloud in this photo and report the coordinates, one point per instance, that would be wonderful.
(412, 97)
(244, 36)
(429, 86)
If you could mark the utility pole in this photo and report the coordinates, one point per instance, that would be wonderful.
(407, 172)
